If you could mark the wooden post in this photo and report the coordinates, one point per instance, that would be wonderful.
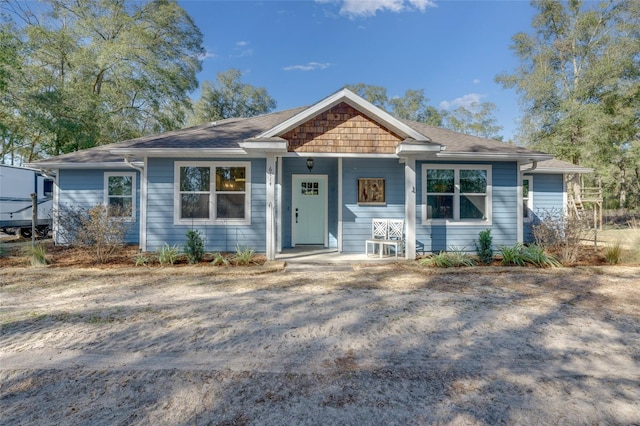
(34, 217)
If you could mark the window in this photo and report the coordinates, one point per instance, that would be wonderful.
(120, 194)
(211, 192)
(457, 194)
(527, 198)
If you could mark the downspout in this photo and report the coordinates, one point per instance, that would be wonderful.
(130, 164)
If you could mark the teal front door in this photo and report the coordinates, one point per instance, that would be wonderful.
(309, 209)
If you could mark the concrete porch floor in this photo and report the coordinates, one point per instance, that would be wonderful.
(322, 255)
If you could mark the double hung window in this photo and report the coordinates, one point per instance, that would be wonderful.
(457, 194)
(120, 194)
(212, 192)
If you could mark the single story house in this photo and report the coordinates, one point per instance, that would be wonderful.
(315, 176)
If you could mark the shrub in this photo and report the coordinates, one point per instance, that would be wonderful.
(168, 254)
(561, 234)
(37, 254)
(449, 259)
(243, 256)
(219, 259)
(512, 255)
(613, 253)
(483, 246)
(521, 255)
(194, 247)
(100, 229)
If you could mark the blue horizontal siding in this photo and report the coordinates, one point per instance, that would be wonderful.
(85, 189)
(548, 198)
(225, 238)
(356, 218)
(435, 238)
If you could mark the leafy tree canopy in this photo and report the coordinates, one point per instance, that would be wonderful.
(229, 98)
(579, 84)
(99, 71)
(478, 119)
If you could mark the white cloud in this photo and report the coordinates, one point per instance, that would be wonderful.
(366, 8)
(468, 101)
(241, 50)
(476, 81)
(310, 66)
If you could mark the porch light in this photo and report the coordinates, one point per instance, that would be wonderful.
(309, 163)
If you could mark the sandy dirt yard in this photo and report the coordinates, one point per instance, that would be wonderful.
(319, 345)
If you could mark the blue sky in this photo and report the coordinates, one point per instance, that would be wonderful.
(303, 51)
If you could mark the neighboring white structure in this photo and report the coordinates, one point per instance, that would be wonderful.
(16, 186)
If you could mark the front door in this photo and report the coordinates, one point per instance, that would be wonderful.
(309, 209)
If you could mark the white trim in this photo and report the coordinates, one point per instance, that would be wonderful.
(519, 219)
(529, 217)
(87, 165)
(456, 195)
(325, 179)
(355, 101)
(340, 183)
(495, 156)
(212, 220)
(565, 196)
(268, 146)
(271, 207)
(143, 207)
(105, 193)
(279, 204)
(179, 152)
(410, 208)
(56, 207)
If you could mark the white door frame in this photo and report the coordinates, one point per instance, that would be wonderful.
(325, 179)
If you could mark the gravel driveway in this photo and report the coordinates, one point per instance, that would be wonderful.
(362, 344)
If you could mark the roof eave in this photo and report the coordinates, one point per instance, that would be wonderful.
(178, 152)
(496, 156)
(417, 148)
(272, 145)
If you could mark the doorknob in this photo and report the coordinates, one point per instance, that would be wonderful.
(296, 215)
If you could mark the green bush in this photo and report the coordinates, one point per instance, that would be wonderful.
(194, 247)
(449, 259)
(521, 255)
(168, 254)
(483, 246)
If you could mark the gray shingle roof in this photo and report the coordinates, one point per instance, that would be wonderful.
(228, 133)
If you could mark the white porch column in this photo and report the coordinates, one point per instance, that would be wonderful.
(410, 207)
(271, 206)
(279, 205)
(340, 205)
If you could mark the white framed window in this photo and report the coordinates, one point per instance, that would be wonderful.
(120, 194)
(209, 192)
(527, 198)
(456, 194)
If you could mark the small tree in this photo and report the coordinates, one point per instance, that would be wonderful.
(194, 248)
(483, 246)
